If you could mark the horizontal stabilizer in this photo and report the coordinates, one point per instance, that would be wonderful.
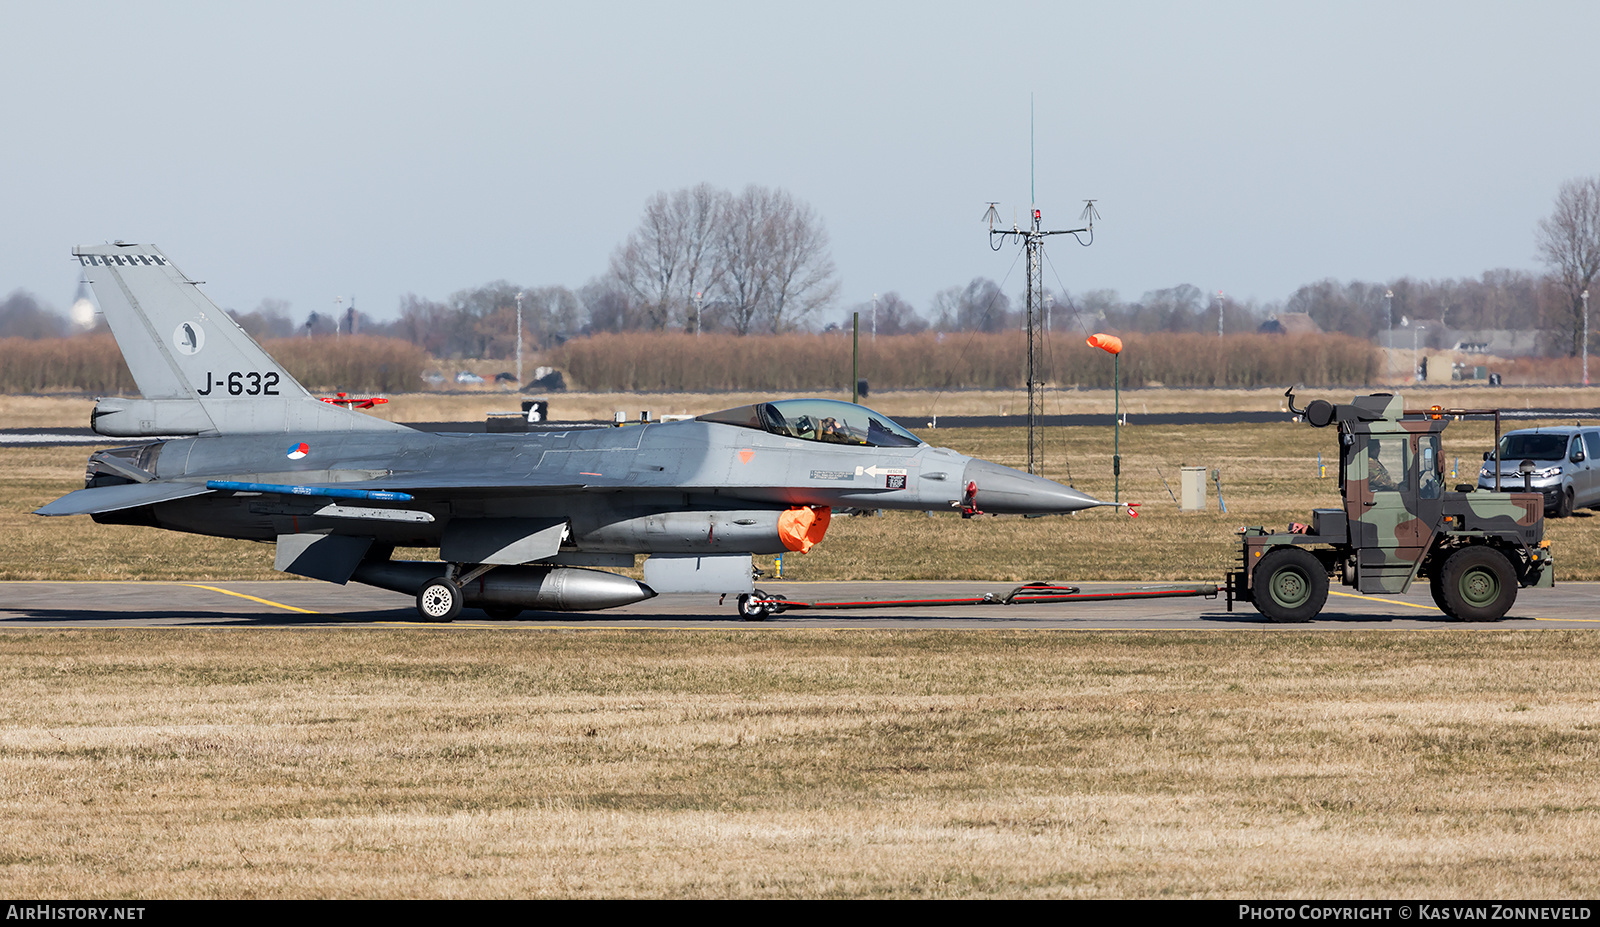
(122, 496)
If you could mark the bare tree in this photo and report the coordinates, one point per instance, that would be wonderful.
(646, 265)
(672, 255)
(895, 316)
(979, 306)
(1181, 308)
(1354, 309)
(745, 241)
(801, 268)
(699, 213)
(269, 319)
(551, 314)
(21, 316)
(1569, 241)
(611, 308)
(760, 258)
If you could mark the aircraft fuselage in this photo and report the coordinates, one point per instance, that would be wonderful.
(678, 487)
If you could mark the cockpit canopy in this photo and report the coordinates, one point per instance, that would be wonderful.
(827, 420)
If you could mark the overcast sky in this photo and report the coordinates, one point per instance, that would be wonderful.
(307, 151)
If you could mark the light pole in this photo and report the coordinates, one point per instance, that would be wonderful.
(1586, 337)
(698, 296)
(874, 317)
(1049, 303)
(520, 294)
(1388, 324)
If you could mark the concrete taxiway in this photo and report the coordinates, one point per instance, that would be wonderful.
(293, 604)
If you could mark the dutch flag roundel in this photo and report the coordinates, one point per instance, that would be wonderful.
(297, 451)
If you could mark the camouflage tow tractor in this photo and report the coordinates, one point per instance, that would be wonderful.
(1398, 524)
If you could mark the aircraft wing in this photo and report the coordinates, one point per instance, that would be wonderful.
(122, 496)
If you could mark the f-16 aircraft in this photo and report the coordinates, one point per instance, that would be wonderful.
(239, 449)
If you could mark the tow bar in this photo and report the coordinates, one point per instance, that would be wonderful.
(759, 604)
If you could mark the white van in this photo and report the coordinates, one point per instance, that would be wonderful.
(1566, 466)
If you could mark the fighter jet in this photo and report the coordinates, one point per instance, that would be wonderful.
(239, 449)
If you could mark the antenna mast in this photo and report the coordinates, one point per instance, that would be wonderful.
(1032, 239)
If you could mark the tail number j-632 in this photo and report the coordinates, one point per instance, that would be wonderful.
(248, 383)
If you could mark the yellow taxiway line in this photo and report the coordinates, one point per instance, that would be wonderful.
(303, 611)
(1373, 598)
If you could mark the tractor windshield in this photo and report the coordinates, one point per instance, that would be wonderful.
(826, 420)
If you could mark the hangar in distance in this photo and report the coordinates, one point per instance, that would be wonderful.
(238, 449)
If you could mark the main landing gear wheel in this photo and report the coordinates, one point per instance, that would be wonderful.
(753, 607)
(439, 600)
(1291, 585)
(1478, 584)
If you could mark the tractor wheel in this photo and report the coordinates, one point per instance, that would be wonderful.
(1479, 584)
(439, 600)
(1436, 590)
(1291, 585)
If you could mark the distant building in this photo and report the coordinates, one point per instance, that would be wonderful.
(1497, 342)
(1290, 323)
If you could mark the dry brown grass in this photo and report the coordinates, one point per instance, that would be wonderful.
(45, 411)
(794, 764)
(1269, 477)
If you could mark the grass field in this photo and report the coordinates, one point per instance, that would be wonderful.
(793, 764)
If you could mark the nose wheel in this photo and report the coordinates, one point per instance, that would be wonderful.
(757, 606)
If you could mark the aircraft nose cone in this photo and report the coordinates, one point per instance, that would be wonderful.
(1004, 491)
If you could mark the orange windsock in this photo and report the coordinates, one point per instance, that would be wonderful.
(801, 528)
(1109, 343)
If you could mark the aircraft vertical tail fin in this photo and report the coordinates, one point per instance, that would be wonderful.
(199, 372)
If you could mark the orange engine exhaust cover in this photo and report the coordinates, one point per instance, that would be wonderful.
(801, 528)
